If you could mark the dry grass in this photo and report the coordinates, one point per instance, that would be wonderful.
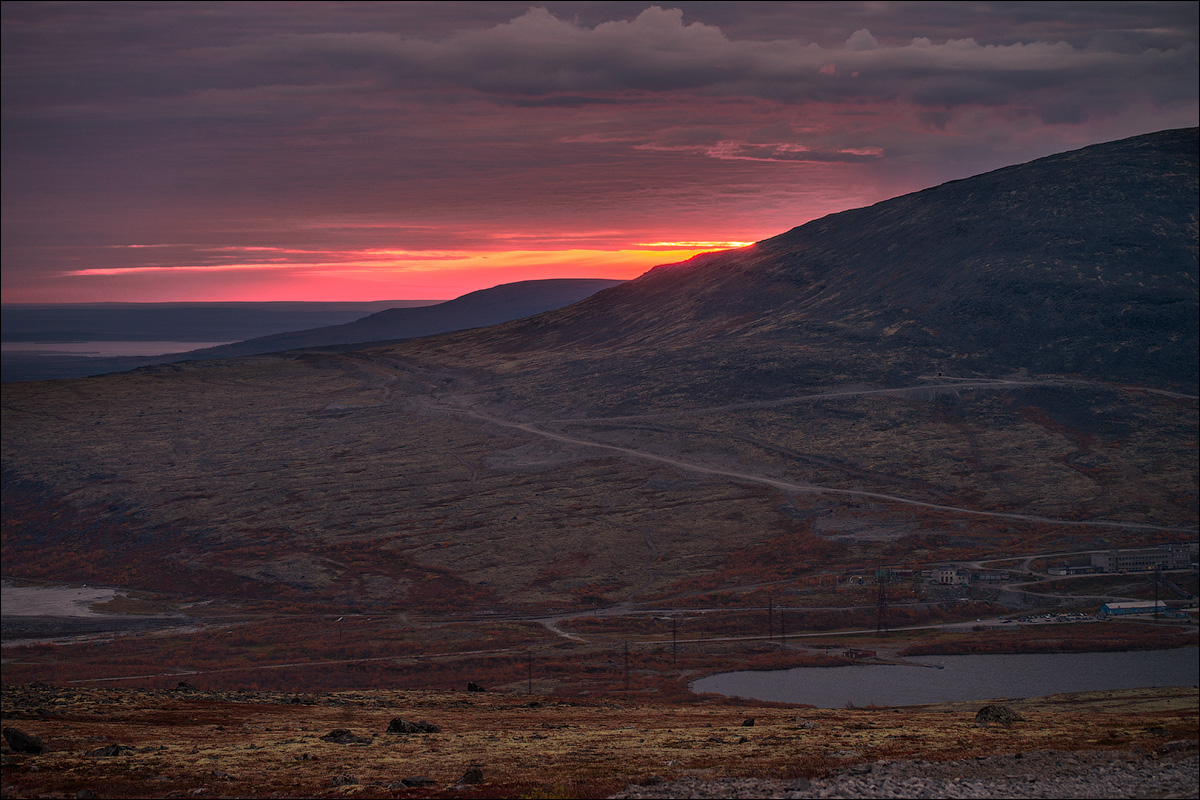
(262, 745)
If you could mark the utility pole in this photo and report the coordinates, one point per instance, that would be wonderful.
(881, 610)
(1157, 578)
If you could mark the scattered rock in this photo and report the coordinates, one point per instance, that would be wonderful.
(21, 742)
(110, 750)
(344, 780)
(748, 722)
(184, 686)
(1001, 715)
(399, 725)
(475, 687)
(472, 776)
(343, 736)
(418, 781)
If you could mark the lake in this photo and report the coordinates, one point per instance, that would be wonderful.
(978, 677)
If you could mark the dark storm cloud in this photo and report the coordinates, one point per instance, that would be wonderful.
(126, 52)
(540, 55)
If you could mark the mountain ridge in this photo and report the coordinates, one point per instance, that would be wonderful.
(1039, 266)
(484, 307)
(747, 419)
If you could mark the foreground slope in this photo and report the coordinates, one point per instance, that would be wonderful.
(188, 741)
(1000, 365)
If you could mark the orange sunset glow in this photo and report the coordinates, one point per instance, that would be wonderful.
(296, 151)
(371, 274)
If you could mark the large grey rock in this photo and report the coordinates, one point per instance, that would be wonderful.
(21, 742)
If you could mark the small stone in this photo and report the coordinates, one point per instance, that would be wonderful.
(748, 722)
(344, 780)
(110, 750)
(472, 776)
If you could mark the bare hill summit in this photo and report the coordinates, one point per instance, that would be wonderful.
(1080, 263)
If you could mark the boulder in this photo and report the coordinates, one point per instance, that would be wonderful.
(418, 781)
(474, 687)
(1000, 715)
(472, 776)
(399, 725)
(343, 736)
(21, 742)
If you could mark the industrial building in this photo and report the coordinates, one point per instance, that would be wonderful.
(1141, 559)
(1134, 607)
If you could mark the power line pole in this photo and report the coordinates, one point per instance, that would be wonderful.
(881, 606)
(1157, 577)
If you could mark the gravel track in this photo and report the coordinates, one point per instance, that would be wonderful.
(1171, 771)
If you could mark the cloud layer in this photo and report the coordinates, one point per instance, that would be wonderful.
(471, 127)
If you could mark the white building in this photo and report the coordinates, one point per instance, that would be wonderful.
(948, 576)
(1142, 559)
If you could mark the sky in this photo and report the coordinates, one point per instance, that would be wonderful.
(157, 152)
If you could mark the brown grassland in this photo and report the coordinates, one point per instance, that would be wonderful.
(186, 742)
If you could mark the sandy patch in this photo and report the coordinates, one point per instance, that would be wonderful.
(51, 601)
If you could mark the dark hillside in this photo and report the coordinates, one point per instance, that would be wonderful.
(1081, 263)
(751, 424)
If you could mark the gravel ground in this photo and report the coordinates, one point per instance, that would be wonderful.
(1171, 771)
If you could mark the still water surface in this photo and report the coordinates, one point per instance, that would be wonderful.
(981, 677)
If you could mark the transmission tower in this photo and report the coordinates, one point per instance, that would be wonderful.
(881, 606)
